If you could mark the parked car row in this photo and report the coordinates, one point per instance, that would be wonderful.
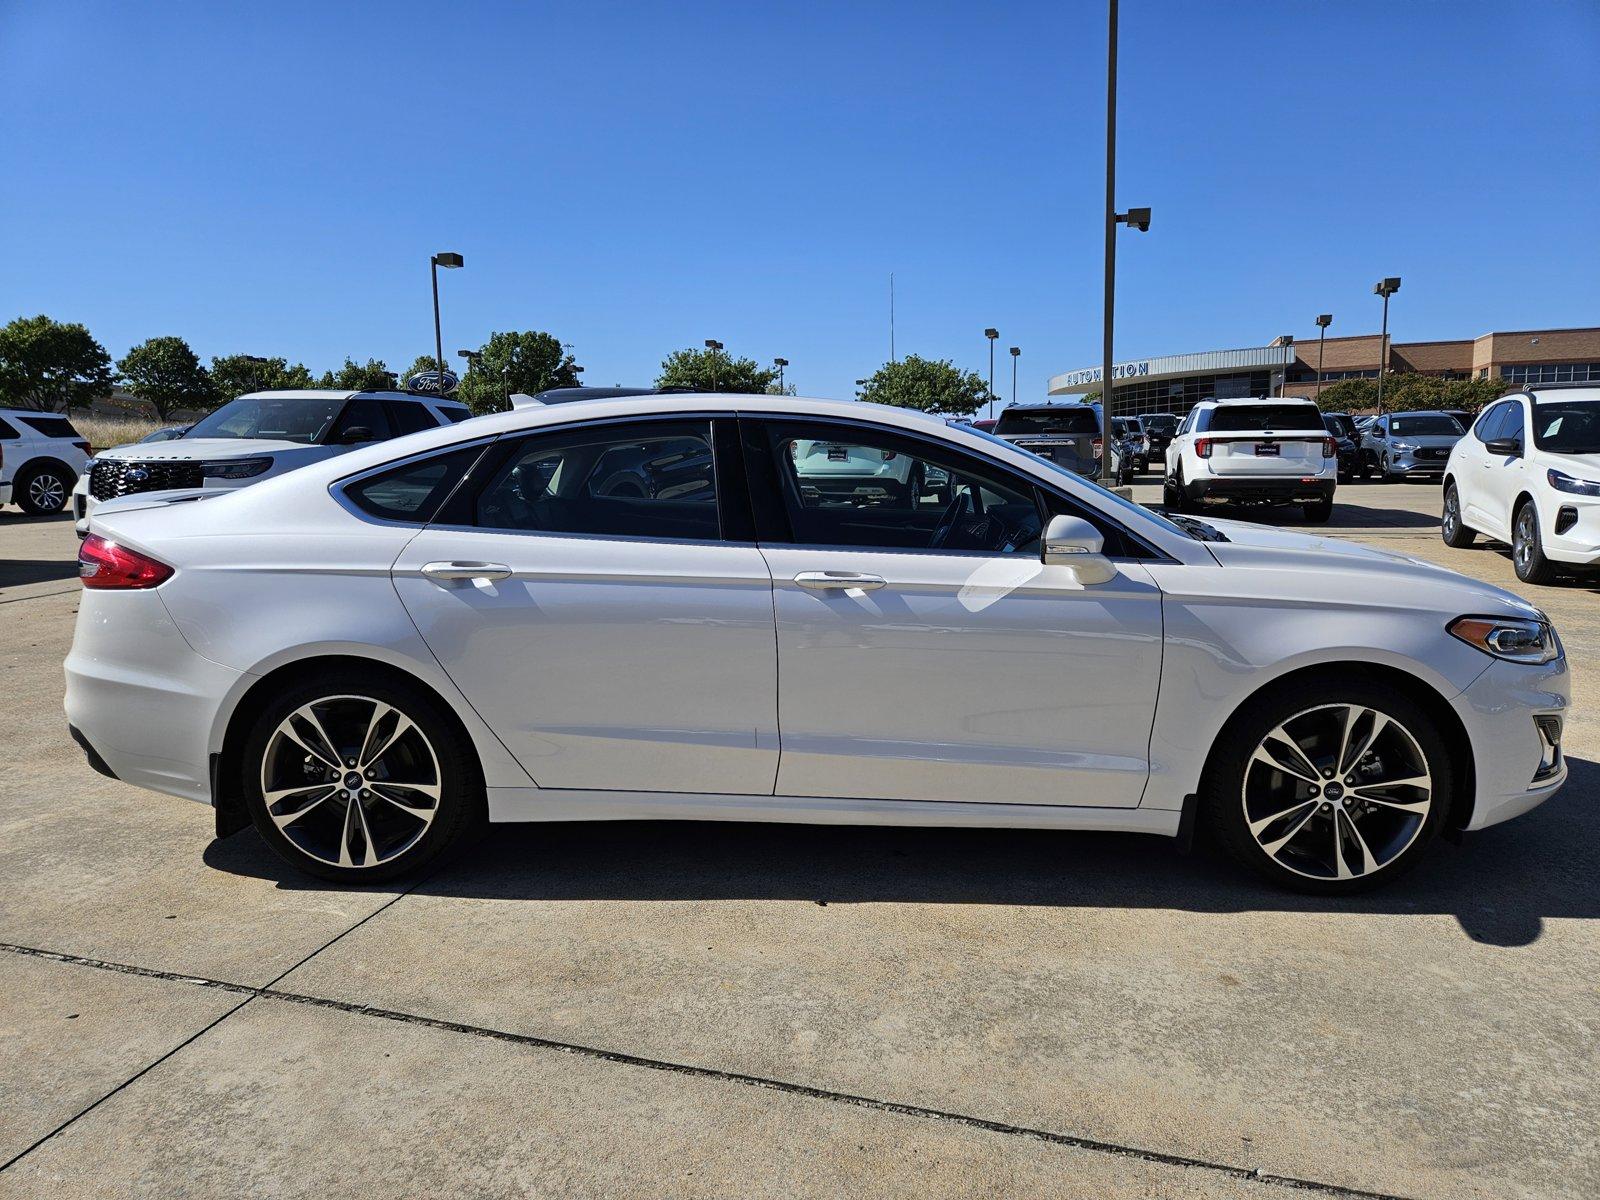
(776, 609)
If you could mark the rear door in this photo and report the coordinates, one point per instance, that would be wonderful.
(1266, 439)
(593, 593)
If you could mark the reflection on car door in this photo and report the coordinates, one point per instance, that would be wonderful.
(925, 652)
(612, 638)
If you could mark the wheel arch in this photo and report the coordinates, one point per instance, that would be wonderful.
(1429, 698)
(227, 763)
(39, 461)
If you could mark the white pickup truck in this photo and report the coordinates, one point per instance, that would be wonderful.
(1253, 452)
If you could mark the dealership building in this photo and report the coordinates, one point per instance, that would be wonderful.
(1176, 382)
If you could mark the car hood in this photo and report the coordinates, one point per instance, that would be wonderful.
(1356, 571)
(1581, 466)
(208, 449)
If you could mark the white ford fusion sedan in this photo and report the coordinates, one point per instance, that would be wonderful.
(642, 608)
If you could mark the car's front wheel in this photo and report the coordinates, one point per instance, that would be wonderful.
(1452, 528)
(1527, 547)
(1329, 789)
(359, 779)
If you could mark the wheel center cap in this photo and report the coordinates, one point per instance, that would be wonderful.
(353, 781)
(1334, 792)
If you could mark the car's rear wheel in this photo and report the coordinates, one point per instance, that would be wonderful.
(1527, 547)
(41, 491)
(1452, 528)
(1329, 789)
(359, 780)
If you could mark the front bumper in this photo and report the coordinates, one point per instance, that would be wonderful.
(1267, 489)
(1569, 527)
(1413, 462)
(1514, 767)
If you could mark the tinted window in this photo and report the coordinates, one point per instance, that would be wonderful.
(56, 427)
(7, 430)
(652, 479)
(1425, 425)
(1488, 420)
(1076, 419)
(413, 491)
(454, 413)
(1162, 423)
(1511, 424)
(1251, 418)
(1572, 427)
(365, 415)
(408, 417)
(289, 419)
(846, 486)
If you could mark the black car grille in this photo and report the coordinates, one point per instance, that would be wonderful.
(1433, 452)
(108, 479)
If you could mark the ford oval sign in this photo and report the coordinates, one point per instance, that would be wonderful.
(428, 381)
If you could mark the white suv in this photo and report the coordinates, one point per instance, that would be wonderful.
(1529, 474)
(256, 437)
(41, 458)
(1253, 451)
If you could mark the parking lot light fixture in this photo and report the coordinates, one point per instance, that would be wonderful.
(1016, 353)
(449, 261)
(780, 363)
(1385, 287)
(992, 335)
(1323, 321)
(1287, 340)
(713, 348)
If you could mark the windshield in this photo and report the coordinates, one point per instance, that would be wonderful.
(1072, 419)
(1425, 424)
(1111, 498)
(1163, 423)
(284, 419)
(1250, 418)
(1338, 423)
(1569, 427)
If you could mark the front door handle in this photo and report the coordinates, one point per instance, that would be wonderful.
(838, 581)
(466, 570)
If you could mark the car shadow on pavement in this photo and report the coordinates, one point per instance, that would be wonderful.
(17, 572)
(1502, 884)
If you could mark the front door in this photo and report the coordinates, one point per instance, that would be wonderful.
(924, 651)
(585, 602)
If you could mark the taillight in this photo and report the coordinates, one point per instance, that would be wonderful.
(1097, 447)
(1202, 447)
(104, 564)
(84, 446)
(1330, 448)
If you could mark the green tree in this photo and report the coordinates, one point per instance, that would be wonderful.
(927, 385)
(52, 366)
(167, 375)
(1348, 395)
(372, 376)
(234, 375)
(527, 361)
(423, 362)
(715, 371)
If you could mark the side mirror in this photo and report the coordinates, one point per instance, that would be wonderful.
(1377, 432)
(355, 435)
(1504, 447)
(1073, 543)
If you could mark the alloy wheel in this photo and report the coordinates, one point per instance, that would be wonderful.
(1337, 792)
(351, 781)
(47, 492)
(1452, 512)
(1522, 538)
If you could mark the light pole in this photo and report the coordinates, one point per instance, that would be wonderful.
(448, 261)
(992, 335)
(1385, 287)
(1139, 218)
(472, 357)
(255, 360)
(1016, 352)
(713, 348)
(1323, 321)
(780, 363)
(1288, 356)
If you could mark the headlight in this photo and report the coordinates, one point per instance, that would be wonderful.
(1401, 446)
(239, 468)
(1515, 639)
(1563, 482)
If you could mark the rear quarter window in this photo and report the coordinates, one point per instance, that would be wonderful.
(454, 413)
(55, 427)
(412, 492)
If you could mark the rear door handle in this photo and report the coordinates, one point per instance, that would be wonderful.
(838, 581)
(466, 570)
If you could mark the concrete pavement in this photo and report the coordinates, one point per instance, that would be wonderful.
(766, 1010)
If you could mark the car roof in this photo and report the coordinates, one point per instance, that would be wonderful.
(32, 412)
(340, 394)
(1028, 406)
(1241, 401)
(1563, 391)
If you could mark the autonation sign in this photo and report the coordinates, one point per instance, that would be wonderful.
(1128, 370)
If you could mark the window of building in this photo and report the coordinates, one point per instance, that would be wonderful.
(1528, 374)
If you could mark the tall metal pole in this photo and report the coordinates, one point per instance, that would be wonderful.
(1111, 236)
(891, 317)
(991, 377)
(1014, 357)
(1322, 341)
(438, 337)
(1383, 351)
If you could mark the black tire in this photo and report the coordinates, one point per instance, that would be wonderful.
(1402, 838)
(1318, 510)
(1452, 528)
(1177, 499)
(1527, 547)
(42, 490)
(306, 841)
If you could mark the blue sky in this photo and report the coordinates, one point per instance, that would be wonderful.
(272, 178)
